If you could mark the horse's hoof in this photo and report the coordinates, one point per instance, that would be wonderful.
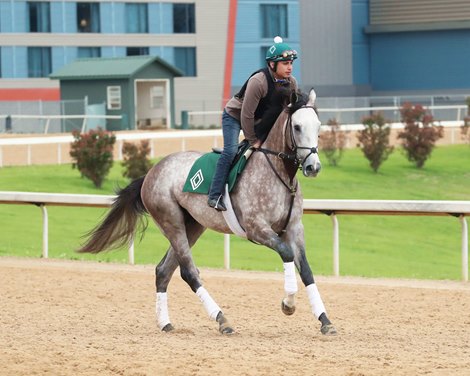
(328, 330)
(226, 329)
(168, 328)
(288, 311)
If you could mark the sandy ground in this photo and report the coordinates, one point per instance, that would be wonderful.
(79, 318)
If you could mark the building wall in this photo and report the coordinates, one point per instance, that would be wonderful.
(326, 41)
(249, 53)
(203, 92)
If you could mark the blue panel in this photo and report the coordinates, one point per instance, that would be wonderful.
(119, 17)
(113, 51)
(8, 65)
(20, 61)
(155, 17)
(248, 56)
(420, 60)
(57, 19)
(360, 41)
(5, 17)
(166, 18)
(20, 21)
(107, 17)
(70, 21)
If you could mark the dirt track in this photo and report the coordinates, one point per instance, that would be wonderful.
(76, 318)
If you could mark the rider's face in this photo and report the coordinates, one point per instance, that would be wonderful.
(283, 69)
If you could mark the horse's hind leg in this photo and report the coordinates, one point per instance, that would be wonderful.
(180, 254)
(164, 272)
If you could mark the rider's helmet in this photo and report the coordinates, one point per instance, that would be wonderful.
(280, 51)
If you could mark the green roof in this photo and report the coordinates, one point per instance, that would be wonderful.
(116, 67)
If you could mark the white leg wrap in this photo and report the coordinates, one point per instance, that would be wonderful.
(209, 304)
(315, 300)
(161, 308)
(290, 279)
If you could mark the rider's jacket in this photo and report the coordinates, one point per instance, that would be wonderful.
(250, 103)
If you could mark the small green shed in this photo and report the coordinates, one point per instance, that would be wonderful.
(139, 88)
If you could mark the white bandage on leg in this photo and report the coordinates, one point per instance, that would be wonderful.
(209, 304)
(161, 307)
(290, 279)
(315, 300)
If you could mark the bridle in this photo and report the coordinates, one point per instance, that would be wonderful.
(290, 158)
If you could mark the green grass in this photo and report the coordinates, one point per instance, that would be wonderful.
(385, 246)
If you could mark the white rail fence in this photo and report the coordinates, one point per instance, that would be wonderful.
(333, 208)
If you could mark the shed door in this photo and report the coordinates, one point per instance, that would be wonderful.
(152, 104)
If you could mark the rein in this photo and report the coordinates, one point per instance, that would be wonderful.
(292, 158)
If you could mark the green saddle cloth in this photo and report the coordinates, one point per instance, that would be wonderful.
(200, 177)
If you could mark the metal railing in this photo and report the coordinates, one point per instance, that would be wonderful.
(332, 208)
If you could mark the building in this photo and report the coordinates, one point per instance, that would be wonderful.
(346, 47)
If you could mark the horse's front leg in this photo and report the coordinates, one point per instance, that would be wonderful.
(316, 302)
(291, 249)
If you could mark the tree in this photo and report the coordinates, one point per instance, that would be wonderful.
(420, 134)
(332, 142)
(136, 160)
(92, 154)
(374, 140)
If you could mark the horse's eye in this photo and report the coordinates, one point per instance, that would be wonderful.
(297, 128)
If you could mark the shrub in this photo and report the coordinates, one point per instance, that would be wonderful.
(136, 160)
(374, 140)
(332, 142)
(420, 134)
(92, 154)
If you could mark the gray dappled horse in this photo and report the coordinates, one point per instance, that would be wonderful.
(267, 202)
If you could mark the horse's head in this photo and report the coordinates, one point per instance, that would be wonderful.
(304, 129)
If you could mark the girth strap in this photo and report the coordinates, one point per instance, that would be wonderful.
(292, 188)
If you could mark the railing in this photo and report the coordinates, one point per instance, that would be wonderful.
(349, 117)
(49, 118)
(332, 208)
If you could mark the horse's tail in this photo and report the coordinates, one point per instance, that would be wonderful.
(117, 229)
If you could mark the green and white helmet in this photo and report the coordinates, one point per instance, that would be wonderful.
(280, 51)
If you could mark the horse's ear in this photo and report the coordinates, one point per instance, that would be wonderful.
(294, 97)
(312, 97)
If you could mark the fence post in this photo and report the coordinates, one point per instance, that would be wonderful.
(45, 232)
(335, 244)
(463, 221)
(227, 251)
(131, 251)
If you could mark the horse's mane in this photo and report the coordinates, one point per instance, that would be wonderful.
(298, 102)
(282, 99)
(279, 101)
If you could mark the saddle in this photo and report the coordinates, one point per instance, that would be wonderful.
(200, 176)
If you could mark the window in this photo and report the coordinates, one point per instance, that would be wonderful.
(88, 17)
(274, 20)
(137, 18)
(39, 14)
(84, 52)
(183, 18)
(157, 96)
(185, 60)
(114, 97)
(39, 61)
(137, 51)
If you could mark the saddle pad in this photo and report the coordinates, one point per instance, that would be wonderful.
(200, 176)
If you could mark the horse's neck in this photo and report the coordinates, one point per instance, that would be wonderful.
(276, 142)
(276, 138)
